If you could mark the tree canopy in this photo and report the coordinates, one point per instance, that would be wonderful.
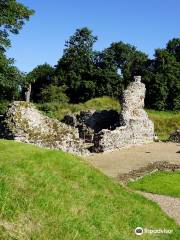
(12, 17)
(40, 77)
(75, 68)
(83, 73)
(162, 78)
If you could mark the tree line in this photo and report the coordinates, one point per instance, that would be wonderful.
(83, 73)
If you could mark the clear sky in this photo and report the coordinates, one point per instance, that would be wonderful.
(147, 24)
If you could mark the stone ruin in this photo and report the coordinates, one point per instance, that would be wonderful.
(86, 132)
(175, 136)
(24, 123)
(109, 130)
(135, 126)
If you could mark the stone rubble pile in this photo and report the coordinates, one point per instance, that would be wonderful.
(175, 136)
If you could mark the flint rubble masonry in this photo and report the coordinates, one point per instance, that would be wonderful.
(135, 126)
(23, 122)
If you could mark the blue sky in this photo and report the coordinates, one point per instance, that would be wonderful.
(147, 24)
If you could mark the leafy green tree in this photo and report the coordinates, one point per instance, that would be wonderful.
(173, 46)
(54, 93)
(161, 75)
(10, 79)
(128, 59)
(108, 80)
(115, 67)
(162, 81)
(39, 78)
(12, 17)
(75, 68)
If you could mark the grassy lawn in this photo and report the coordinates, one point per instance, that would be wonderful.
(165, 183)
(46, 194)
(164, 122)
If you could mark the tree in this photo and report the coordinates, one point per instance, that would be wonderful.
(75, 68)
(107, 79)
(54, 93)
(128, 59)
(162, 81)
(173, 46)
(40, 77)
(12, 17)
(10, 79)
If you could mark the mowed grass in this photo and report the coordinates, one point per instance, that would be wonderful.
(165, 183)
(48, 194)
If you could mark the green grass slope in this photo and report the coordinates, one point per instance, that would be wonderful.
(58, 111)
(164, 122)
(46, 194)
(165, 183)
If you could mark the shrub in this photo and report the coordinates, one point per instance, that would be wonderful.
(3, 106)
(53, 93)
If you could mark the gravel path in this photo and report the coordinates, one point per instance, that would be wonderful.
(170, 205)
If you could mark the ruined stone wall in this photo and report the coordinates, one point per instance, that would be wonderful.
(135, 126)
(23, 122)
(88, 131)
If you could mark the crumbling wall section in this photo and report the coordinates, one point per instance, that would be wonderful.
(88, 131)
(135, 126)
(23, 122)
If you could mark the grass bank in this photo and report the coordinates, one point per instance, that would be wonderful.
(46, 194)
(165, 122)
(58, 111)
(165, 183)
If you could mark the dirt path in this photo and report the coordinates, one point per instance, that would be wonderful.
(170, 205)
(124, 160)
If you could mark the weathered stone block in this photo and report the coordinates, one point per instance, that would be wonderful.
(175, 136)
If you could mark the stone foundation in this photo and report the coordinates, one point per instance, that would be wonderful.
(149, 169)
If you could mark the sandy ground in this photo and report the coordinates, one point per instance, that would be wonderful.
(124, 160)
